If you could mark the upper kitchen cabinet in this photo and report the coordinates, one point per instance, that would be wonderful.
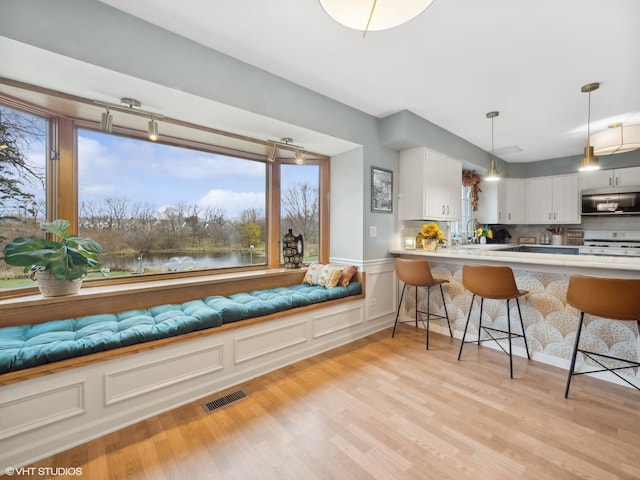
(430, 186)
(553, 199)
(619, 177)
(502, 202)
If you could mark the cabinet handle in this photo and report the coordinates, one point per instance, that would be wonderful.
(617, 178)
(610, 181)
(509, 215)
(549, 215)
(443, 209)
(448, 210)
(554, 215)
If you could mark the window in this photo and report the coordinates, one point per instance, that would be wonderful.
(23, 146)
(176, 205)
(158, 208)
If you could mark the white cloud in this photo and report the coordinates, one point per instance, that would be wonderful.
(233, 202)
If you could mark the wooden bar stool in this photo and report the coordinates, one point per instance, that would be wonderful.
(495, 282)
(417, 273)
(610, 298)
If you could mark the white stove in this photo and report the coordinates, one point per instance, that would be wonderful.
(620, 243)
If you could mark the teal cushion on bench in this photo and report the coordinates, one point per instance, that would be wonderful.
(27, 346)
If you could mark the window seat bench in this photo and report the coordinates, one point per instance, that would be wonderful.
(25, 346)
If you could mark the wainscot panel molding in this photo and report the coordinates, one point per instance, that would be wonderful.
(382, 294)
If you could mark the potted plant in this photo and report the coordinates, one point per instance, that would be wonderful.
(429, 235)
(58, 265)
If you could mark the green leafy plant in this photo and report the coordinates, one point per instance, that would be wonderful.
(67, 259)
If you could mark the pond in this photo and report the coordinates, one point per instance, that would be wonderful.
(179, 261)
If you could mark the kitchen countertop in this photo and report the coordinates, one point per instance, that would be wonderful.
(499, 253)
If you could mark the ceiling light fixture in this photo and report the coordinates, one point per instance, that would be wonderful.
(153, 130)
(285, 143)
(299, 158)
(373, 15)
(589, 162)
(618, 138)
(106, 121)
(492, 173)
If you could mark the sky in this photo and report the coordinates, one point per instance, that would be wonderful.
(161, 175)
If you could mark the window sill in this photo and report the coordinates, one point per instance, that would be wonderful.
(96, 298)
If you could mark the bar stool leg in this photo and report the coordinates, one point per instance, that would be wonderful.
(509, 336)
(398, 312)
(480, 319)
(524, 336)
(446, 313)
(466, 325)
(428, 315)
(416, 306)
(574, 355)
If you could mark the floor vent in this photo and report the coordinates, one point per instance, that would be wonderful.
(220, 402)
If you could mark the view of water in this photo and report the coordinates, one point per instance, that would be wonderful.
(178, 261)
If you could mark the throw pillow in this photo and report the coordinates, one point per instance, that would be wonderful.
(311, 277)
(347, 275)
(329, 275)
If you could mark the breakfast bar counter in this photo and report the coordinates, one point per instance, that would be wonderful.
(550, 323)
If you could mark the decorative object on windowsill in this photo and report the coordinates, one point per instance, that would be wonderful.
(57, 265)
(471, 179)
(292, 250)
(429, 236)
(484, 233)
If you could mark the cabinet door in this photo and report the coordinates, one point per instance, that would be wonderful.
(454, 189)
(490, 203)
(626, 177)
(514, 201)
(539, 200)
(596, 179)
(411, 184)
(565, 199)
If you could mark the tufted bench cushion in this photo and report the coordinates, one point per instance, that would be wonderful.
(26, 346)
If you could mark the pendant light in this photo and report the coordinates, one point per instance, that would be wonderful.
(618, 138)
(589, 162)
(492, 174)
(371, 15)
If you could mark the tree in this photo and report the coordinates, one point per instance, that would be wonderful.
(300, 208)
(18, 133)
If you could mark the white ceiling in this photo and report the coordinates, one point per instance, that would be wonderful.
(451, 65)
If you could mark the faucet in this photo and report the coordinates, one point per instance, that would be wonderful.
(474, 235)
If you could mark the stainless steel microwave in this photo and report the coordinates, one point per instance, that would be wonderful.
(611, 201)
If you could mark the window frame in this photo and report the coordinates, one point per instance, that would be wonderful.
(62, 186)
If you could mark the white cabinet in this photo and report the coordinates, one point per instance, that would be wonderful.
(553, 199)
(430, 185)
(619, 177)
(502, 202)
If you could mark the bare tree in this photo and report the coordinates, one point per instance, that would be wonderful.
(300, 210)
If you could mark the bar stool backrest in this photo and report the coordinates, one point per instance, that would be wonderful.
(414, 272)
(613, 298)
(490, 281)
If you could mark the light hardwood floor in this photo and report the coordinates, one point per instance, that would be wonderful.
(383, 408)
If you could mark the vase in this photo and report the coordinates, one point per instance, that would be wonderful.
(429, 244)
(483, 240)
(51, 286)
(292, 250)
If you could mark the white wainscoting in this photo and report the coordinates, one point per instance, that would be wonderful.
(52, 413)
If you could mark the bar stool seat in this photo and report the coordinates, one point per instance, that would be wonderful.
(417, 273)
(498, 283)
(610, 298)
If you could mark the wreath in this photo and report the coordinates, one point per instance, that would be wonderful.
(471, 179)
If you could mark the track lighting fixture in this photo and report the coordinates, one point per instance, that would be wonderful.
(106, 121)
(153, 130)
(492, 173)
(272, 153)
(589, 161)
(285, 143)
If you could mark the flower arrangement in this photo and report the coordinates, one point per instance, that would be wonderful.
(471, 179)
(485, 232)
(430, 231)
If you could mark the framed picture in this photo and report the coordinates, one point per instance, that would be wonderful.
(381, 190)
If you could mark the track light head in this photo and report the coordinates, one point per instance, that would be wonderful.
(299, 159)
(272, 153)
(106, 121)
(153, 130)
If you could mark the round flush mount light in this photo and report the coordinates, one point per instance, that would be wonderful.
(373, 15)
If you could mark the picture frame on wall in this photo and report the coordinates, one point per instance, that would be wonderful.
(381, 190)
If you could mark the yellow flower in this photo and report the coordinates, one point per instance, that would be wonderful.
(485, 232)
(430, 230)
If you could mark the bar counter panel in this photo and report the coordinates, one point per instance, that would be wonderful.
(550, 323)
